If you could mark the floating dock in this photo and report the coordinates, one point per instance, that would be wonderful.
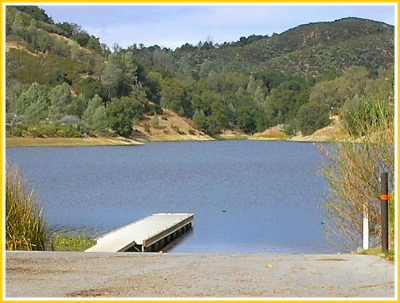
(151, 233)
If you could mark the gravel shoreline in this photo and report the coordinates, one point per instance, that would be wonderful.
(157, 275)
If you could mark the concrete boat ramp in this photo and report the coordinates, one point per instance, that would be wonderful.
(151, 233)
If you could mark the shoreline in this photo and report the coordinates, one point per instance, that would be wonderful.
(66, 142)
(168, 275)
(120, 141)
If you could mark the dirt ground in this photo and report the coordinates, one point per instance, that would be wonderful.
(157, 275)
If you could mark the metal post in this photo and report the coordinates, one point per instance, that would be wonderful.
(384, 212)
(365, 228)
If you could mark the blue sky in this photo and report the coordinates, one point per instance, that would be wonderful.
(171, 25)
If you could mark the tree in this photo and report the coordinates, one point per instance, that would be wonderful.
(43, 42)
(61, 48)
(99, 120)
(251, 86)
(258, 95)
(78, 106)
(82, 38)
(36, 13)
(202, 100)
(60, 99)
(92, 106)
(123, 113)
(76, 53)
(31, 32)
(120, 74)
(90, 87)
(312, 116)
(246, 119)
(200, 120)
(285, 100)
(165, 59)
(153, 87)
(94, 44)
(70, 29)
(326, 92)
(218, 120)
(33, 103)
(174, 96)
(18, 27)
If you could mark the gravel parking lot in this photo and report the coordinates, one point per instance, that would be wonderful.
(158, 275)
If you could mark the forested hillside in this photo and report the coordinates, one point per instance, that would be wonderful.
(62, 81)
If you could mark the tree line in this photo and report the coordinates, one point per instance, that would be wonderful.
(55, 85)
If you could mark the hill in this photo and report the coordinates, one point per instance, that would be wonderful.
(313, 50)
(63, 82)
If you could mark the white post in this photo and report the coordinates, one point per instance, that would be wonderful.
(365, 228)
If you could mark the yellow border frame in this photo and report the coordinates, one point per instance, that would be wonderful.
(2, 136)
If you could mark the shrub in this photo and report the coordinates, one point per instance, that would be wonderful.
(353, 170)
(16, 129)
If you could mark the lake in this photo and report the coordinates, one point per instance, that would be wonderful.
(247, 196)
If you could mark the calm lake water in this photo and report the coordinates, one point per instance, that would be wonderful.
(247, 196)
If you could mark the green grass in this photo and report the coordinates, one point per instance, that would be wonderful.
(70, 242)
(25, 226)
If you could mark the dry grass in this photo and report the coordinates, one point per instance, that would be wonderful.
(170, 127)
(271, 134)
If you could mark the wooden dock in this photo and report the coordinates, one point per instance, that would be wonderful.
(151, 233)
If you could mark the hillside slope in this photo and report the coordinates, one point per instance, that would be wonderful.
(61, 81)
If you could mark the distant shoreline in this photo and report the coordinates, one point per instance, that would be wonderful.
(119, 141)
(63, 142)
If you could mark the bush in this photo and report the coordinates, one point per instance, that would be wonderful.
(16, 129)
(45, 129)
(25, 228)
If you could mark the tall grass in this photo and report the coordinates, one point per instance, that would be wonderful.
(25, 227)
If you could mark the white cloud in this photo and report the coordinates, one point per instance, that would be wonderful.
(173, 25)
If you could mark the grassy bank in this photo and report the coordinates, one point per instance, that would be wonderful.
(70, 242)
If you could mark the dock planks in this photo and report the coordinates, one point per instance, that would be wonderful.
(148, 234)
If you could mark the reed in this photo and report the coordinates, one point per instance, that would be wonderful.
(25, 227)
